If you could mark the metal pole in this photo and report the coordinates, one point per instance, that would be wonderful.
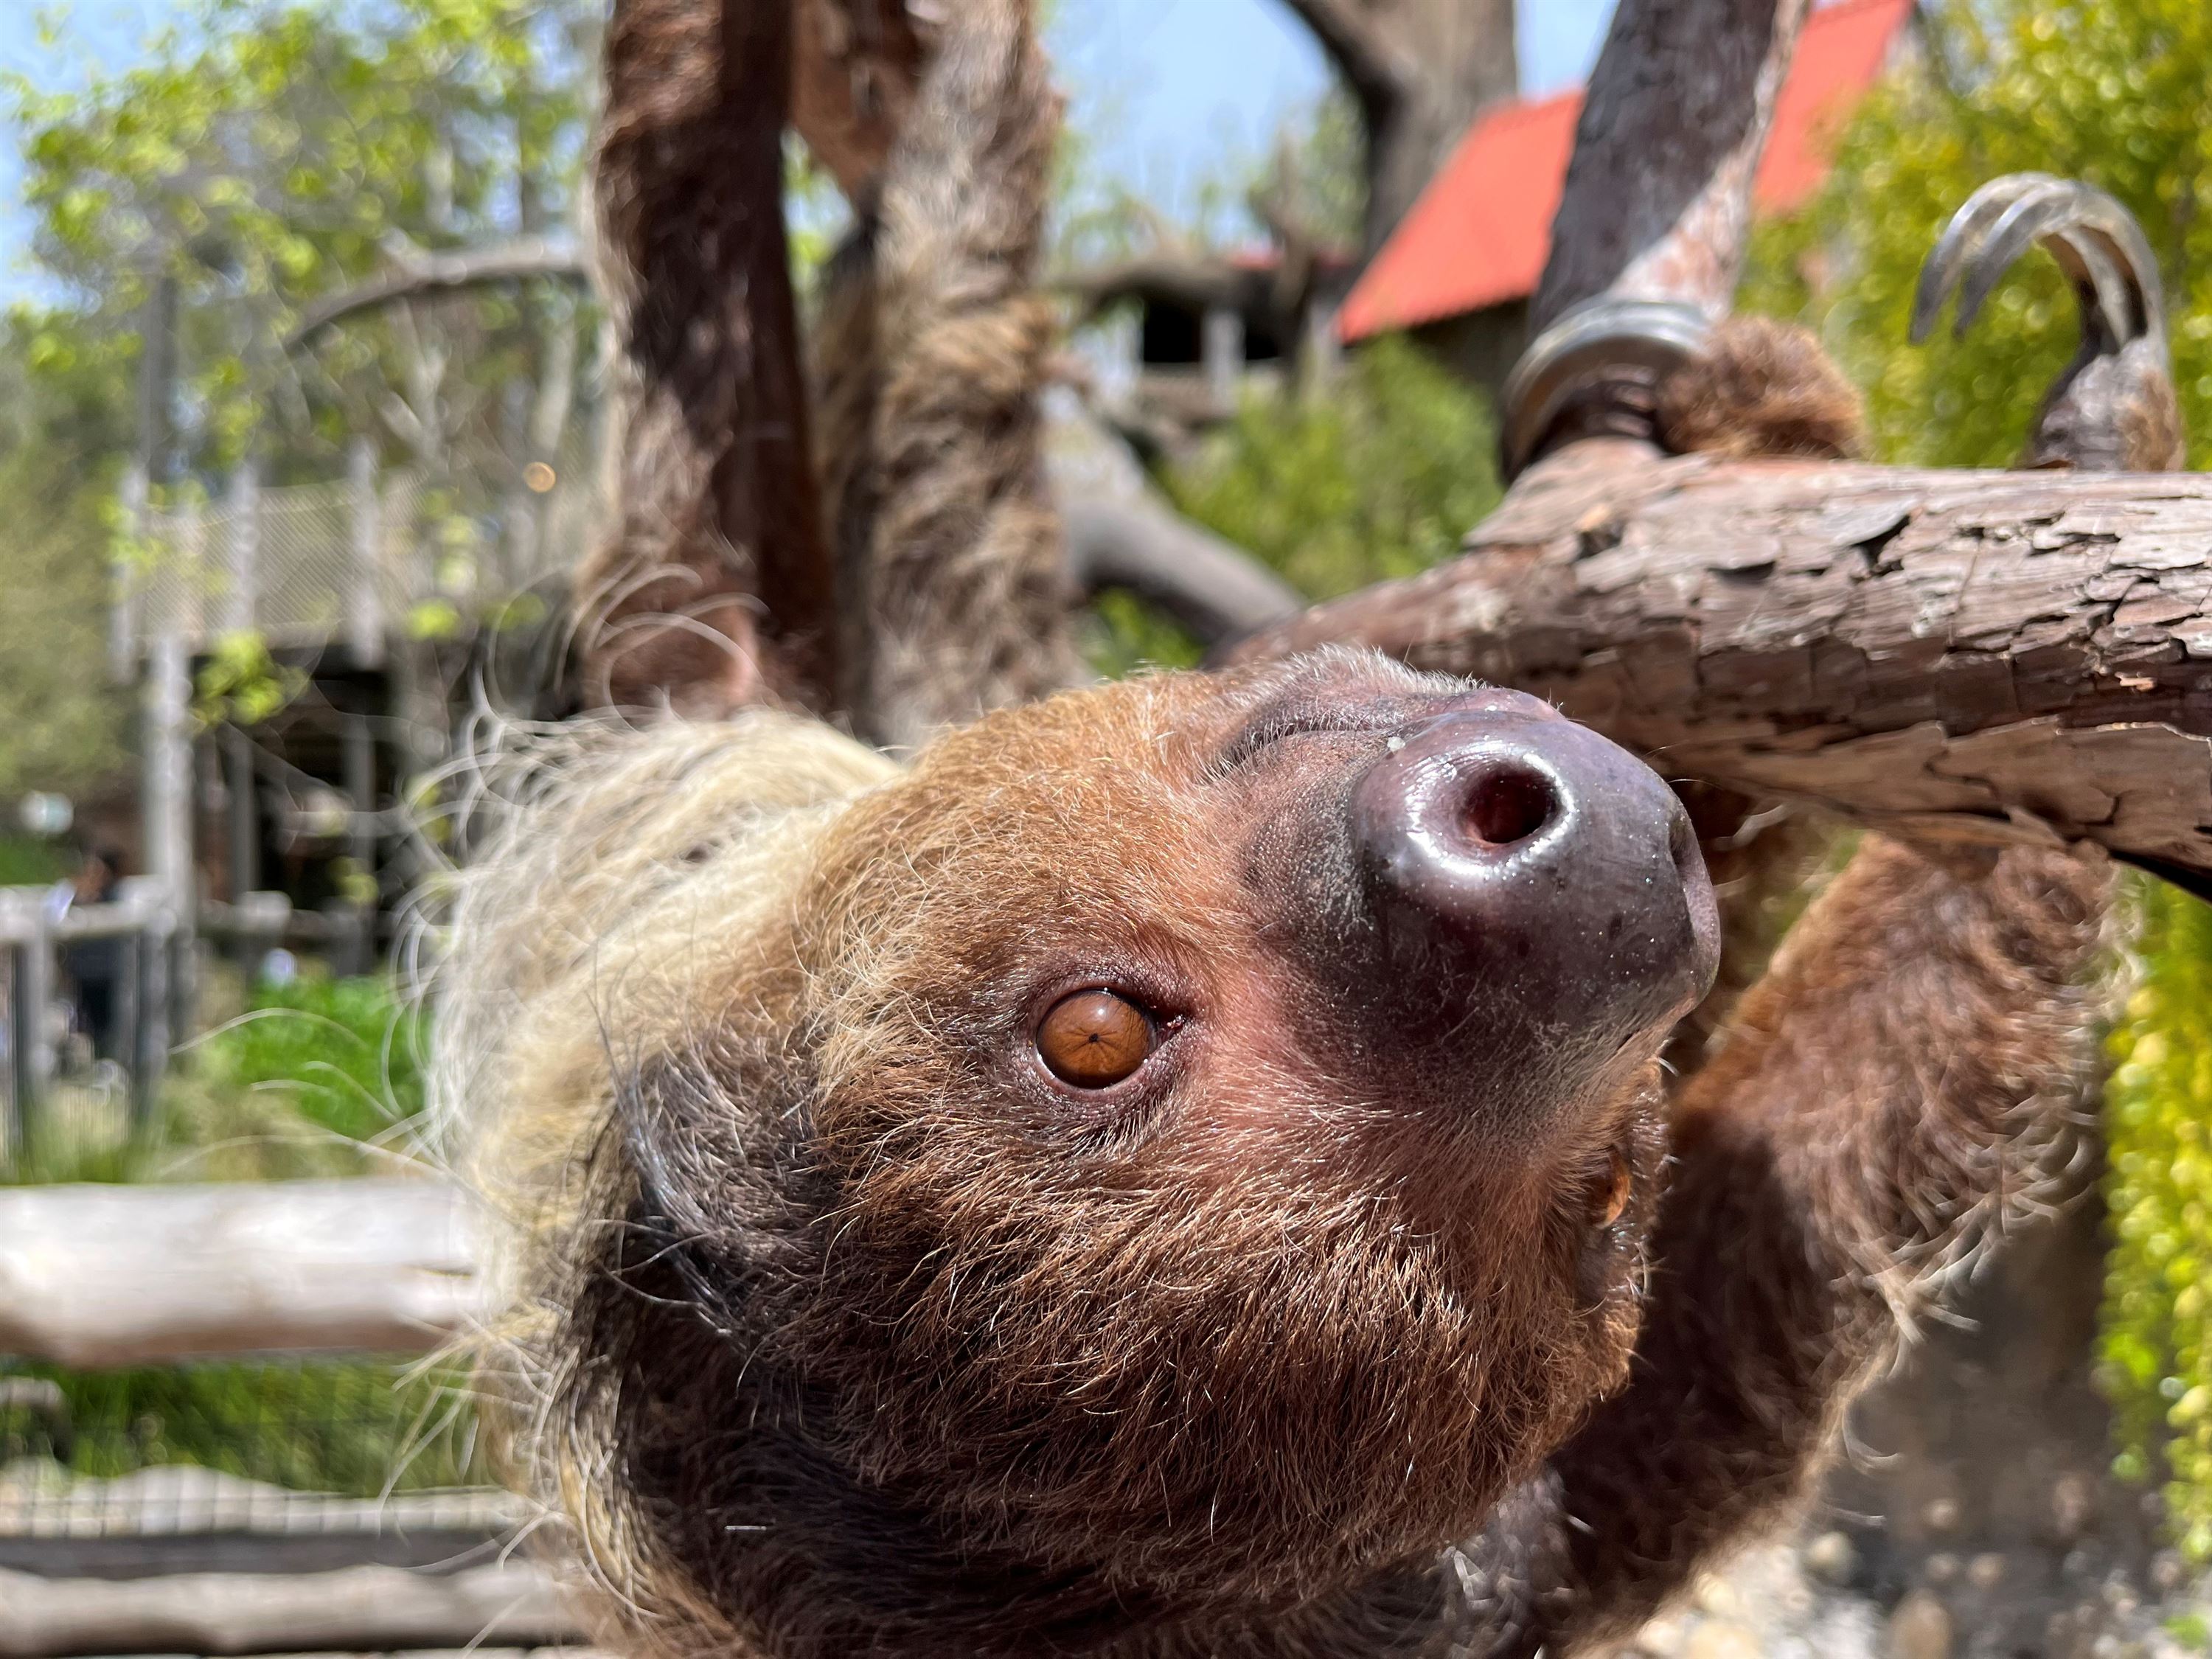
(1222, 348)
(168, 808)
(149, 981)
(31, 995)
(244, 816)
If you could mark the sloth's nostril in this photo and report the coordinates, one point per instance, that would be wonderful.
(1510, 805)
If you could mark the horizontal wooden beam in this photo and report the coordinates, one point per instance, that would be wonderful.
(1983, 653)
(359, 1609)
(94, 1277)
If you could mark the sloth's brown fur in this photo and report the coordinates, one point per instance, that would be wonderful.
(829, 1331)
(1761, 387)
(930, 353)
(833, 1336)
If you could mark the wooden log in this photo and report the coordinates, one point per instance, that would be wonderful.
(1989, 654)
(106, 1276)
(354, 1610)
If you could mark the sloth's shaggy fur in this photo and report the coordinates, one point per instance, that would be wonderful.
(833, 1333)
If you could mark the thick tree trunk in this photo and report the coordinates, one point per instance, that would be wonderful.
(1421, 71)
(1985, 653)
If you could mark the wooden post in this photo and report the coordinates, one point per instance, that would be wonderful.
(243, 549)
(188, 539)
(1222, 348)
(364, 621)
(1321, 357)
(124, 605)
(243, 817)
(31, 994)
(168, 800)
(359, 739)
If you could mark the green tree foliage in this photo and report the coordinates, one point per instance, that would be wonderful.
(2157, 1338)
(65, 724)
(1378, 477)
(264, 155)
(275, 152)
(2120, 95)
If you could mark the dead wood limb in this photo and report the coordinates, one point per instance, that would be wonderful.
(1420, 71)
(93, 1277)
(1986, 653)
(1214, 590)
(354, 1610)
(433, 275)
(1658, 195)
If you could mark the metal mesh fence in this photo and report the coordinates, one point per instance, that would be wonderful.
(276, 1447)
(304, 564)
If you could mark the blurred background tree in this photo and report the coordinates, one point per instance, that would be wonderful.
(2119, 95)
(263, 156)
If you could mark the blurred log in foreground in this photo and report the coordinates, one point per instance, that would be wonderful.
(358, 1609)
(1970, 653)
(93, 1277)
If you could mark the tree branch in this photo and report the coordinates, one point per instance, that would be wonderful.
(1360, 52)
(372, 1607)
(520, 260)
(1657, 201)
(1985, 654)
(1216, 591)
(102, 1276)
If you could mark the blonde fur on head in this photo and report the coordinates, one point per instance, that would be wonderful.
(621, 869)
(620, 864)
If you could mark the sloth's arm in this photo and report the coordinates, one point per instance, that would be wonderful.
(1902, 1077)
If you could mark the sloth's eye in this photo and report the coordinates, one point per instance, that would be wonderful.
(1095, 1038)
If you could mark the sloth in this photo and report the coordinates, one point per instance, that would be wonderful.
(1184, 1167)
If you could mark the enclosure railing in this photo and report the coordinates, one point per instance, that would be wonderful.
(343, 560)
(135, 1321)
(149, 982)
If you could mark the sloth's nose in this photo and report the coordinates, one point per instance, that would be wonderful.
(1545, 871)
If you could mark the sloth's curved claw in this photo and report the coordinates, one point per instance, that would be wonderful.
(1625, 347)
(2096, 242)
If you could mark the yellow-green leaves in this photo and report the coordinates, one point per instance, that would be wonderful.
(1380, 478)
(2156, 1341)
(2120, 95)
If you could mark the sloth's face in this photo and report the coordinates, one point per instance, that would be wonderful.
(1236, 1102)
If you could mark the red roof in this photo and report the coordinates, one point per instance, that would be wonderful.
(1481, 231)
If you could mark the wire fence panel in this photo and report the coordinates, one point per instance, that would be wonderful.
(306, 564)
(279, 1450)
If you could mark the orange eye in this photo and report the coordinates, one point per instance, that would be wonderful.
(1093, 1038)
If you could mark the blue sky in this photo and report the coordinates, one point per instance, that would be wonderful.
(1163, 89)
